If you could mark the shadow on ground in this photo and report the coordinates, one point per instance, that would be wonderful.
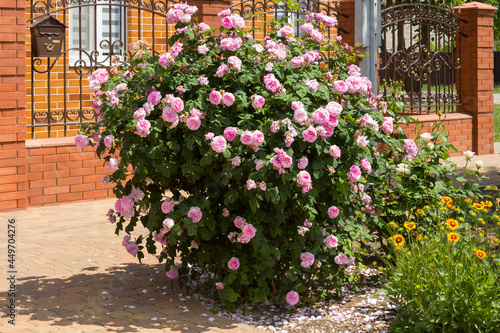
(126, 298)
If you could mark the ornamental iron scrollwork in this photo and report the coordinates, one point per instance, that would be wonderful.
(75, 64)
(419, 50)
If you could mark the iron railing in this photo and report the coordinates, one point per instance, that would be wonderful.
(59, 98)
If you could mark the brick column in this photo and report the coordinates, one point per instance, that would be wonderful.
(347, 7)
(208, 10)
(476, 80)
(13, 183)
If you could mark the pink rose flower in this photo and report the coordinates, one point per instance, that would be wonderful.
(195, 214)
(354, 173)
(297, 61)
(132, 248)
(304, 178)
(246, 138)
(202, 80)
(100, 75)
(233, 263)
(219, 285)
(223, 69)
(168, 223)
(362, 140)
(238, 21)
(218, 144)
(411, 149)
(228, 99)
(231, 133)
(140, 114)
(263, 186)
(320, 116)
(251, 184)
(209, 136)
(340, 87)
(203, 49)
(300, 116)
(193, 123)
(387, 125)
(239, 222)
(236, 161)
(331, 242)
(297, 105)
(312, 85)
(258, 101)
(333, 212)
(334, 108)
(226, 22)
(335, 151)
(177, 104)
(81, 141)
(137, 194)
(154, 97)
(203, 27)
(167, 207)
(341, 259)
(215, 97)
(310, 134)
(365, 164)
(302, 162)
(235, 62)
(172, 273)
(225, 12)
(307, 259)
(249, 231)
(143, 127)
(113, 164)
(166, 60)
(292, 298)
(258, 137)
(125, 240)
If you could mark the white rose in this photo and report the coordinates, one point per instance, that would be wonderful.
(257, 48)
(426, 137)
(468, 154)
(479, 164)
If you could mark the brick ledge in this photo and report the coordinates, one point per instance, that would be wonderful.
(52, 142)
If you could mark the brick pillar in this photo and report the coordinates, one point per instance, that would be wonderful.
(13, 183)
(347, 23)
(208, 10)
(476, 80)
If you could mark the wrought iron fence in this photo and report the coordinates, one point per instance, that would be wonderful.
(419, 50)
(257, 12)
(97, 30)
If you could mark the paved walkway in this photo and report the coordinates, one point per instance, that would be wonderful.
(73, 275)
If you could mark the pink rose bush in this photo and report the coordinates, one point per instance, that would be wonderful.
(224, 146)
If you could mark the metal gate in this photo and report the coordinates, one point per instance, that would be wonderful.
(96, 32)
(419, 49)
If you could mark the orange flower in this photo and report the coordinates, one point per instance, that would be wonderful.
(410, 225)
(398, 240)
(450, 206)
(420, 211)
(420, 238)
(446, 200)
(477, 206)
(496, 240)
(480, 254)
(452, 224)
(468, 200)
(453, 237)
(487, 204)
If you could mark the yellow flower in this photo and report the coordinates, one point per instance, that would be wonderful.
(496, 217)
(410, 225)
(485, 210)
(420, 238)
(420, 211)
(472, 213)
(450, 206)
(453, 237)
(398, 240)
(393, 225)
(452, 224)
(480, 254)
(477, 206)
(446, 200)
(439, 203)
(468, 200)
(487, 204)
(427, 207)
(496, 240)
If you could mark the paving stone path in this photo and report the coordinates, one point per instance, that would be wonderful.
(73, 275)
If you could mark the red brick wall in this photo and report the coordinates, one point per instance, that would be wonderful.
(58, 172)
(12, 105)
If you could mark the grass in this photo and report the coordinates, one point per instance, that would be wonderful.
(496, 116)
(496, 89)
